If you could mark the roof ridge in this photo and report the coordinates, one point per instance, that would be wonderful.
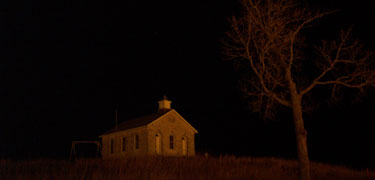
(137, 122)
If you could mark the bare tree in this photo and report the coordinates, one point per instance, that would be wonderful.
(268, 36)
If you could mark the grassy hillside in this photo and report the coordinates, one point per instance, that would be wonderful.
(172, 168)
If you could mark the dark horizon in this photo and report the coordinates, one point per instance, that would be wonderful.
(65, 66)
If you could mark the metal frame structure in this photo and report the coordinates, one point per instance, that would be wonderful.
(74, 143)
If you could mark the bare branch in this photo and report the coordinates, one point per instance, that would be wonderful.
(356, 60)
(299, 28)
(337, 82)
(267, 37)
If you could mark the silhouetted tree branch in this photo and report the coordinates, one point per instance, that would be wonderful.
(268, 36)
(346, 55)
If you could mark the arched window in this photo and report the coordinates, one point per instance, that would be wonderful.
(123, 142)
(136, 141)
(171, 142)
(111, 146)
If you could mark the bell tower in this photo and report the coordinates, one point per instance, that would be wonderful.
(164, 104)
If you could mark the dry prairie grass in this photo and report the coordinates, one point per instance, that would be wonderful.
(155, 168)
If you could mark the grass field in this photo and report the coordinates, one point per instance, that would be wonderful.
(173, 168)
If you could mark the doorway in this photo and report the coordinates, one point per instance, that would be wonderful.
(158, 144)
(184, 146)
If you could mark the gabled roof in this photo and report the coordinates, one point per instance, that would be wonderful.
(138, 122)
(176, 113)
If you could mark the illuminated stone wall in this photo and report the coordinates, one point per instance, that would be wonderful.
(129, 144)
(170, 124)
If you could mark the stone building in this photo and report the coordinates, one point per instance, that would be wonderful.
(164, 133)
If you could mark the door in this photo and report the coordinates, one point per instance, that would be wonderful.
(184, 146)
(158, 144)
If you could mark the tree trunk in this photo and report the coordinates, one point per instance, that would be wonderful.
(303, 157)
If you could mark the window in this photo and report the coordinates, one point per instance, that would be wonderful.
(111, 146)
(171, 143)
(123, 144)
(136, 141)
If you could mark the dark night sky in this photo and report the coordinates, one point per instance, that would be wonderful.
(64, 65)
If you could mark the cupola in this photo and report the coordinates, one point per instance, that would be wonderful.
(164, 104)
